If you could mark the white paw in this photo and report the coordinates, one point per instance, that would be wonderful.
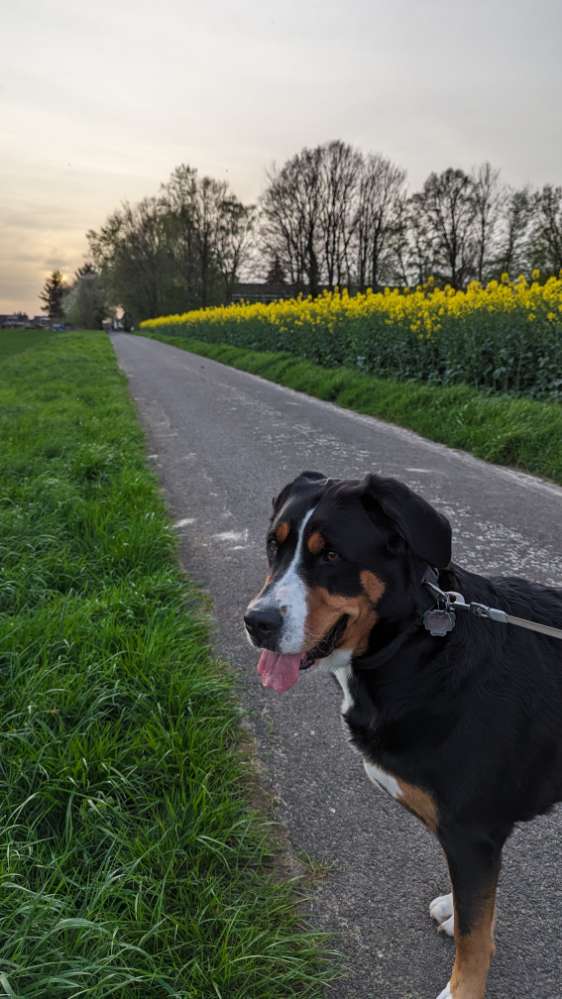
(441, 910)
(446, 993)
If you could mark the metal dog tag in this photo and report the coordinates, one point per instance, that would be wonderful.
(438, 621)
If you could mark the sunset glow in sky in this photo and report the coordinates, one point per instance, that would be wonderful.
(99, 103)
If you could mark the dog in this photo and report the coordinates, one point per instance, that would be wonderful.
(463, 728)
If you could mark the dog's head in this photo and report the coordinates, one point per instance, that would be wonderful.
(342, 555)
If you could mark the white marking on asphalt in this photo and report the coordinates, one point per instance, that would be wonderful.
(185, 522)
(231, 535)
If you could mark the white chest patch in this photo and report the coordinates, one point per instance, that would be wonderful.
(339, 663)
(382, 780)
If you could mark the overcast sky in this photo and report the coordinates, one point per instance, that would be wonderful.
(99, 102)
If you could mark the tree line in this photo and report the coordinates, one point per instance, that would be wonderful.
(329, 217)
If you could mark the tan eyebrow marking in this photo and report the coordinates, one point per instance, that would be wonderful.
(315, 543)
(281, 532)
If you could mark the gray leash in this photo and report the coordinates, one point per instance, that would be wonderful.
(441, 619)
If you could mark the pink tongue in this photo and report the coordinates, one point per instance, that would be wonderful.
(278, 672)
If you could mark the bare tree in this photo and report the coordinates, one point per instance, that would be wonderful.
(307, 215)
(488, 198)
(340, 167)
(546, 231)
(282, 232)
(446, 210)
(379, 217)
(234, 235)
(513, 255)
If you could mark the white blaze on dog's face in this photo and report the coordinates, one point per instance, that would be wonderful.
(287, 593)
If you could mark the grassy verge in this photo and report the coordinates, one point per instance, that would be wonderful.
(504, 429)
(130, 861)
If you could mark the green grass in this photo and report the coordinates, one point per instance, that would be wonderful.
(15, 341)
(505, 429)
(131, 863)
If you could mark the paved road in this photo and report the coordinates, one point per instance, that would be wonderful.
(223, 442)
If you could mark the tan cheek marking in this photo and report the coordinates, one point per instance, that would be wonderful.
(315, 543)
(281, 532)
(420, 803)
(373, 586)
(322, 615)
(324, 610)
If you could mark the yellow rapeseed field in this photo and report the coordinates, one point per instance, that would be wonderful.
(423, 309)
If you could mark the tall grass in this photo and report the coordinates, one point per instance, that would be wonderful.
(130, 861)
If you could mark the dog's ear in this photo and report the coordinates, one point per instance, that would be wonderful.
(303, 480)
(427, 532)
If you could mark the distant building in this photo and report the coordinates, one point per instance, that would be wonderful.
(15, 320)
(262, 291)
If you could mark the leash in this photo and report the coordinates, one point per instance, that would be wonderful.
(440, 620)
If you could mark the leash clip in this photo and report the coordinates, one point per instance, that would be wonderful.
(440, 620)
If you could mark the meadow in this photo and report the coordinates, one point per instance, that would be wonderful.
(131, 862)
(503, 337)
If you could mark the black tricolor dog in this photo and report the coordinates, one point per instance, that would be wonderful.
(464, 730)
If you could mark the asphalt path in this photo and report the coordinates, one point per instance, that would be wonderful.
(223, 442)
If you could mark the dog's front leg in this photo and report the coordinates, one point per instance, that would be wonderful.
(474, 864)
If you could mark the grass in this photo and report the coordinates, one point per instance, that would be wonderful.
(131, 863)
(505, 429)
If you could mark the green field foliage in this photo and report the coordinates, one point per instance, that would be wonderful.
(130, 861)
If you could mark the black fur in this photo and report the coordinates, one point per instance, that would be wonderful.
(473, 718)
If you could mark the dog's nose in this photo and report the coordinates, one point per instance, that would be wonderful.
(263, 625)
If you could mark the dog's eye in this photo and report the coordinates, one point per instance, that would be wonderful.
(272, 548)
(329, 555)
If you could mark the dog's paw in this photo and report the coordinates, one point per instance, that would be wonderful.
(441, 910)
(446, 993)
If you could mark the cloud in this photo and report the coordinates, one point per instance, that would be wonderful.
(99, 103)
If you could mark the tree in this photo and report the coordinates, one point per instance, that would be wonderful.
(340, 169)
(276, 274)
(379, 220)
(546, 231)
(209, 231)
(488, 198)
(446, 209)
(513, 255)
(134, 257)
(52, 295)
(291, 223)
(84, 304)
